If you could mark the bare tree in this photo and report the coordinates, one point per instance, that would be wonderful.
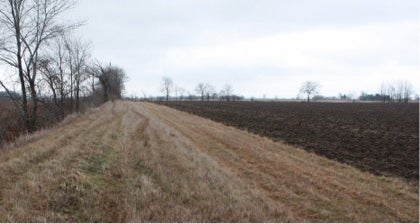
(92, 69)
(167, 86)
(407, 91)
(78, 55)
(111, 79)
(227, 92)
(391, 93)
(399, 91)
(179, 92)
(309, 88)
(26, 26)
(51, 78)
(201, 89)
(190, 96)
(209, 91)
(53, 68)
(383, 91)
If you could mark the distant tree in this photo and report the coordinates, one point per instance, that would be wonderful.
(407, 91)
(190, 97)
(205, 90)
(167, 86)
(391, 93)
(179, 92)
(201, 89)
(383, 92)
(370, 97)
(209, 91)
(399, 89)
(111, 80)
(227, 92)
(309, 88)
(400, 92)
(343, 96)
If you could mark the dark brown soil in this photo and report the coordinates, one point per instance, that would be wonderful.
(379, 138)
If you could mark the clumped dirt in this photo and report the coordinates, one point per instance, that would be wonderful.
(379, 138)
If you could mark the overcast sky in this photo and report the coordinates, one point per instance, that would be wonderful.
(257, 46)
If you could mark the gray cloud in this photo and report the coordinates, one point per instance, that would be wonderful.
(139, 36)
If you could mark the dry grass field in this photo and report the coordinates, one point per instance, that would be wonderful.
(141, 162)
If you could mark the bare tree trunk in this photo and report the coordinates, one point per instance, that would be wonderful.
(71, 90)
(62, 94)
(54, 100)
(15, 8)
(78, 96)
(78, 82)
(34, 107)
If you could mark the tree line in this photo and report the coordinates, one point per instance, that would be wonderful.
(398, 92)
(204, 91)
(52, 67)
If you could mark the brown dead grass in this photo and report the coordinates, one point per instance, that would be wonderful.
(139, 162)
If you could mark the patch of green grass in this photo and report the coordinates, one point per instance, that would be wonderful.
(98, 164)
(115, 136)
(79, 192)
(95, 167)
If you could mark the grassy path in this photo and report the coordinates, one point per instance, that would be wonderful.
(140, 162)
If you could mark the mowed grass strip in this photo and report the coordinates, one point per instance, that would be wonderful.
(139, 162)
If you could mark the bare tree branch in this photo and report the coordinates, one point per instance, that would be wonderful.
(309, 88)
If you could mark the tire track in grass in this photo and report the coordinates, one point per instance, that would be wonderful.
(93, 168)
(106, 172)
(192, 183)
